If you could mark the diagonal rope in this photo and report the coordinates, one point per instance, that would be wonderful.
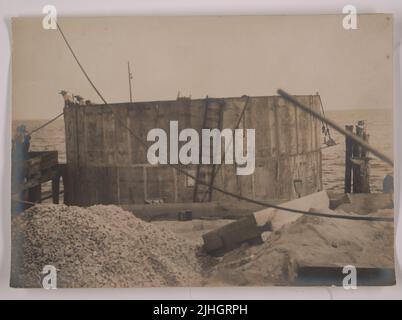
(80, 65)
(46, 123)
(335, 126)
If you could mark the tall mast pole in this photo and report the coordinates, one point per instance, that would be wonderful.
(130, 76)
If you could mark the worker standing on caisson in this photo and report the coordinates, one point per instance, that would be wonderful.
(20, 152)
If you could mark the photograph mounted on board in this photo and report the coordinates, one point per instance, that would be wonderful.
(202, 151)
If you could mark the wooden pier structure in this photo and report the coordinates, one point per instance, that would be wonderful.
(29, 175)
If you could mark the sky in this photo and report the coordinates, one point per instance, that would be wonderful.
(199, 56)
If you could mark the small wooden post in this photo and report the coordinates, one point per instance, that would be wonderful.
(35, 194)
(356, 156)
(348, 161)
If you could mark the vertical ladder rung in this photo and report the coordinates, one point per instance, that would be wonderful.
(211, 121)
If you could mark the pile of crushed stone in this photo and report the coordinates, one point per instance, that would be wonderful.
(310, 241)
(99, 246)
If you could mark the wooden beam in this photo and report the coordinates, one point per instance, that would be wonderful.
(233, 210)
(361, 172)
(250, 228)
(50, 195)
(233, 235)
(200, 210)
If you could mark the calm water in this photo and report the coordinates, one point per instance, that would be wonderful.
(380, 128)
(379, 125)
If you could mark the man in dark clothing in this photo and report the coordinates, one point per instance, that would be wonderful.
(20, 152)
(388, 184)
(22, 142)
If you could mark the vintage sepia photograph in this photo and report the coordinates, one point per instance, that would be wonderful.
(202, 151)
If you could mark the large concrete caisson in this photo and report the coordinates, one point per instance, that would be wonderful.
(106, 164)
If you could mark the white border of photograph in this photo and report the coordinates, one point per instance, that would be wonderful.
(13, 8)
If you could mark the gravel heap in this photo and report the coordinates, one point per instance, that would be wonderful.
(105, 246)
(99, 246)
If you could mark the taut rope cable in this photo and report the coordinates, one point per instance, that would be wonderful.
(47, 123)
(323, 113)
(265, 204)
(79, 64)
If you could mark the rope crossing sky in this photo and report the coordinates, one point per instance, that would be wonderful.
(46, 123)
(334, 125)
(240, 197)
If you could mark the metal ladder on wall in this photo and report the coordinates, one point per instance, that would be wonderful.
(213, 119)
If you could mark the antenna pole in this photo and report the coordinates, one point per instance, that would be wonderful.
(130, 76)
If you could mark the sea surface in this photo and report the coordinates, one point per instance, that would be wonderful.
(379, 125)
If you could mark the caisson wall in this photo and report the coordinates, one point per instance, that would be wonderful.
(106, 164)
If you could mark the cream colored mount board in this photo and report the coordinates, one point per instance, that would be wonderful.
(160, 152)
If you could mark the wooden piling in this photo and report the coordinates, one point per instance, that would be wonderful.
(35, 194)
(56, 189)
(348, 161)
(357, 171)
(361, 174)
(250, 228)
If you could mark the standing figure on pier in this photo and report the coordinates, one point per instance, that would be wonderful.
(20, 152)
